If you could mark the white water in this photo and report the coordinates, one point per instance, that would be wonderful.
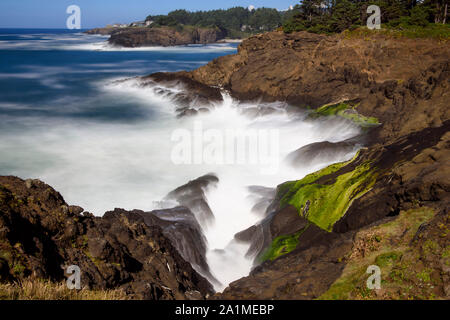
(103, 166)
(230, 201)
(80, 41)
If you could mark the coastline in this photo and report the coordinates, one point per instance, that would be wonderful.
(398, 178)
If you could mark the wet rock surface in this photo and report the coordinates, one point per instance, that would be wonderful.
(321, 152)
(190, 97)
(192, 195)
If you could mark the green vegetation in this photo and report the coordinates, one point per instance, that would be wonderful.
(346, 111)
(18, 269)
(328, 201)
(237, 22)
(404, 275)
(321, 203)
(409, 18)
(387, 259)
(46, 290)
(289, 189)
(282, 245)
(435, 31)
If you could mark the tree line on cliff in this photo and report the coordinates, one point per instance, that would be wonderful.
(319, 16)
(332, 16)
(233, 21)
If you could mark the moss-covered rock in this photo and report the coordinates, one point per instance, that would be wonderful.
(325, 202)
(345, 110)
(322, 198)
(282, 245)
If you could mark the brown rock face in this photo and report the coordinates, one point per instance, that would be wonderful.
(40, 235)
(164, 36)
(103, 31)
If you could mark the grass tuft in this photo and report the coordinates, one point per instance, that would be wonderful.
(46, 290)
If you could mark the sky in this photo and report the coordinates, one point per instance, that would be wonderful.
(98, 13)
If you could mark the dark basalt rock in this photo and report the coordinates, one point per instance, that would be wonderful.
(320, 152)
(418, 159)
(40, 235)
(192, 195)
(180, 226)
(193, 98)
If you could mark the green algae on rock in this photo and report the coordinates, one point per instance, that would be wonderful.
(325, 202)
(345, 110)
(322, 198)
(282, 245)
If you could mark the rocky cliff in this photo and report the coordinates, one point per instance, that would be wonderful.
(162, 36)
(397, 89)
(103, 31)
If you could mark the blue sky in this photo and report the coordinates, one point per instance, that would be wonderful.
(97, 13)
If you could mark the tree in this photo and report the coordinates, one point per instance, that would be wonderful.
(180, 16)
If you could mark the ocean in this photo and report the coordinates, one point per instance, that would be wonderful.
(104, 144)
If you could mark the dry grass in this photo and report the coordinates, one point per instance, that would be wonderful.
(45, 290)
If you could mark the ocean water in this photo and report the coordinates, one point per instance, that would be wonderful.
(104, 144)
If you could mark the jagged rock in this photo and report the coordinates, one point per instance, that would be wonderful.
(41, 235)
(192, 195)
(320, 152)
(191, 97)
(181, 227)
(262, 197)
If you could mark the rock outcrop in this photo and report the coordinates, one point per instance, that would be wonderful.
(193, 196)
(321, 151)
(103, 31)
(180, 226)
(164, 36)
(392, 79)
(190, 98)
(41, 235)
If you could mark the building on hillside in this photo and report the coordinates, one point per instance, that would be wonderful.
(141, 23)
